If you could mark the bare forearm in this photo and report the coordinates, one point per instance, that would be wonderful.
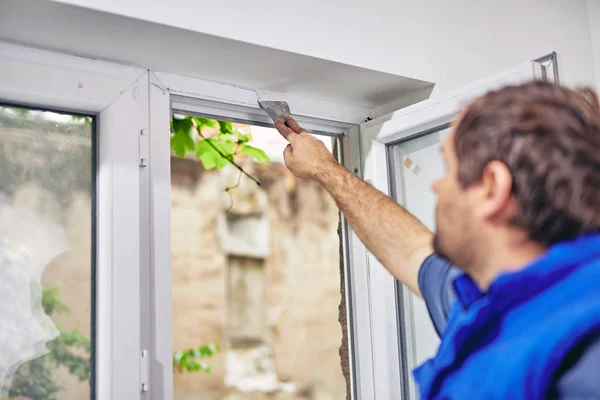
(398, 240)
(390, 232)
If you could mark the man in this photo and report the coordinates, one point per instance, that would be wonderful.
(519, 212)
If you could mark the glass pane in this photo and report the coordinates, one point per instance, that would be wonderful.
(256, 273)
(46, 186)
(417, 163)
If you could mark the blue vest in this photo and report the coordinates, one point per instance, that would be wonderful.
(510, 342)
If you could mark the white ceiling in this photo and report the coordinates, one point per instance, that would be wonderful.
(144, 44)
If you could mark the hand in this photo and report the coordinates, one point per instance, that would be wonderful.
(306, 156)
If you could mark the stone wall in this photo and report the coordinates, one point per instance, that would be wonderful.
(284, 304)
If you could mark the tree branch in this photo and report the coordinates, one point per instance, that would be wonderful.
(230, 159)
(228, 190)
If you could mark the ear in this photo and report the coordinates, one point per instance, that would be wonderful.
(496, 191)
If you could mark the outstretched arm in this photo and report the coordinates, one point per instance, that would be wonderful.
(393, 235)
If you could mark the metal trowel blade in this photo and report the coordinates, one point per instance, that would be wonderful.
(277, 110)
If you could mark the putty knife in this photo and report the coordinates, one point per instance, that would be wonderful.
(277, 110)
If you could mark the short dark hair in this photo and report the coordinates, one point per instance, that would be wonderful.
(549, 138)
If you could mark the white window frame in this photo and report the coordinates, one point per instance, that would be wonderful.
(114, 94)
(233, 103)
(394, 353)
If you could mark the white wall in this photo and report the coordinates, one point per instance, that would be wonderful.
(448, 42)
(593, 8)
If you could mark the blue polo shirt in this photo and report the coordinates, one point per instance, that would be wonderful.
(579, 374)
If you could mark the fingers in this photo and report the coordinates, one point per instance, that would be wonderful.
(291, 122)
(287, 154)
(286, 132)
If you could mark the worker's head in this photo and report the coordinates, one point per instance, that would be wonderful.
(523, 167)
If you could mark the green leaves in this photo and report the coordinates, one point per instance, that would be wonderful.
(182, 136)
(79, 118)
(226, 127)
(214, 152)
(256, 153)
(191, 360)
(201, 122)
(51, 303)
(63, 352)
(70, 350)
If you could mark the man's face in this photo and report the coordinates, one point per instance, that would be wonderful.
(455, 225)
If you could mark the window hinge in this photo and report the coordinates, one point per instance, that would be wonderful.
(144, 147)
(144, 361)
